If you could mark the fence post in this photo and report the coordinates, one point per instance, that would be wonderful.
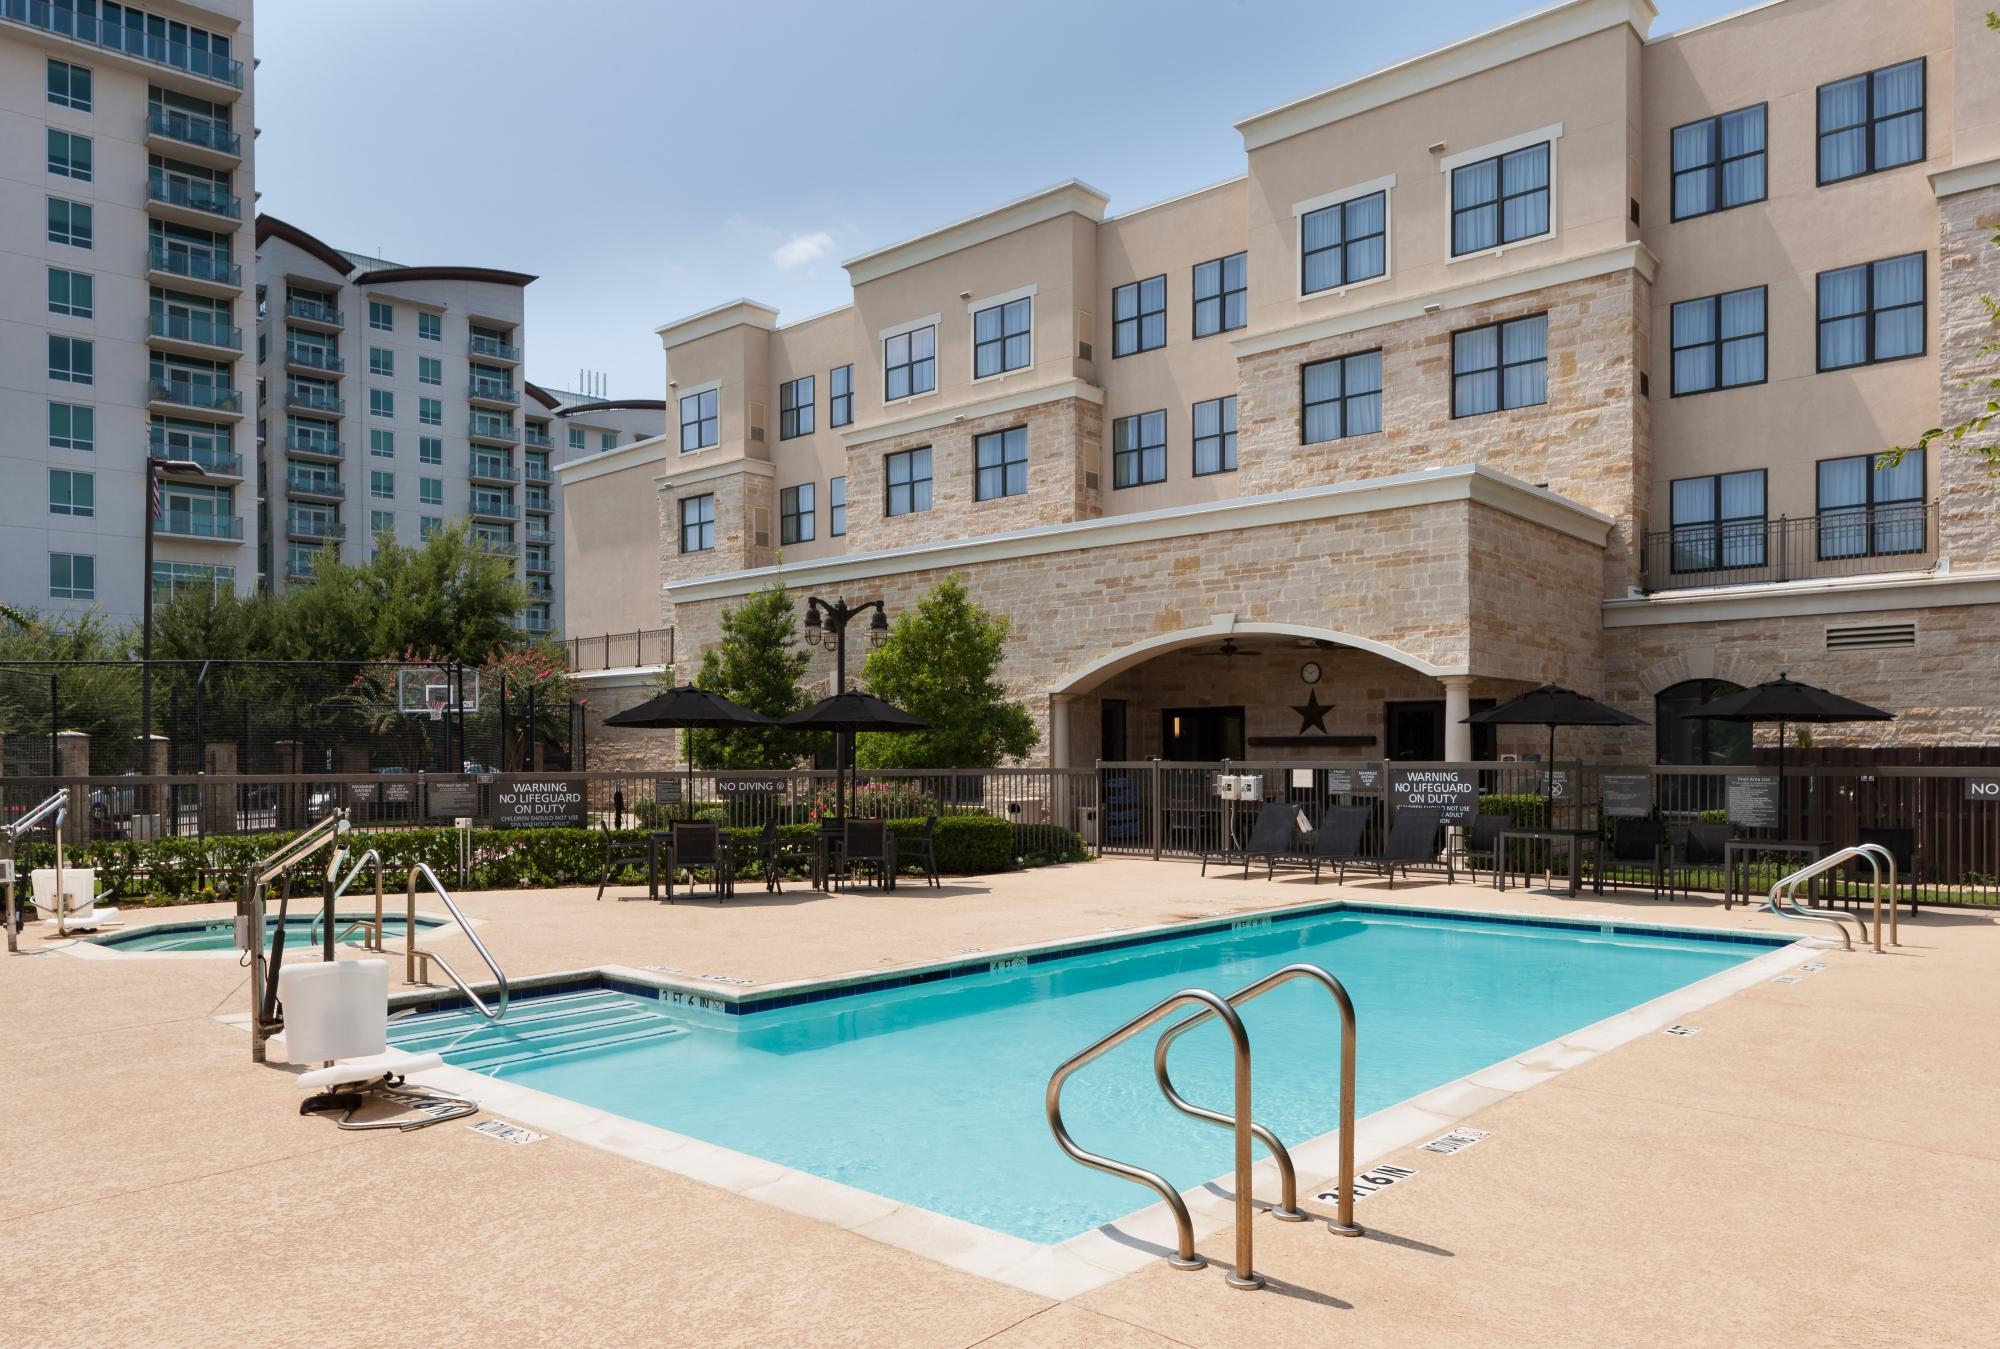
(1156, 822)
(73, 762)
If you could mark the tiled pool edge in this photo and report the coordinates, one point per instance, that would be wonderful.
(85, 948)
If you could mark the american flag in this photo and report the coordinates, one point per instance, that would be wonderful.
(159, 499)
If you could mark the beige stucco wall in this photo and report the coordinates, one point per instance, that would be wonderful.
(610, 532)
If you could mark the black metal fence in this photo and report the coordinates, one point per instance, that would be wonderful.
(1853, 542)
(621, 650)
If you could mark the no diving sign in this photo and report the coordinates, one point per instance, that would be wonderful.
(505, 1132)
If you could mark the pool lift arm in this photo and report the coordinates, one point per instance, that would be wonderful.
(58, 806)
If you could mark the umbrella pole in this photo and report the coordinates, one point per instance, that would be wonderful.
(1784, 820)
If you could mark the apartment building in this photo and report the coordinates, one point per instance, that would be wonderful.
(126, 151)
(1562, 352)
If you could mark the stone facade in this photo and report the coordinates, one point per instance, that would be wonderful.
(1968, 277)
(745, 526)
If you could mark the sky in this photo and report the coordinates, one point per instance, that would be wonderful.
(647, 159)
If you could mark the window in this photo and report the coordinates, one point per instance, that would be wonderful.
(607, 441)
(381, 402)
(69, 155)
(69, 222)
(1872, 312)
(1221, 294)
(840, 397)
(795, 408)
(1139, 316)
(697, 523)
(430, 327)
(795, 514)
(429, 525)
(72, 576)
(1719, 162)
(1001, 464)
(1344, 243)
(1718, 521)
(1215, 436)
(1500, 200)
(1867, 509)
(836, 506)
(909, 363)
(1502, 365)
(576, 432)
(1683, 738)
(1719, 341)
(381, 361)
(70, 293)
(382, 444)
(1139, 449)
(381, 317)
(69, 86)
(1871, 122)
(430, 369)
(430, 412)
(1341, 397)
(381, 522)
(1003, 338)
(170, 577)
(381, 484)
(700, 425)
(909, 477)
(430, 491)
(72, 427)
(71, 359)
(72, 492)
(430, 450)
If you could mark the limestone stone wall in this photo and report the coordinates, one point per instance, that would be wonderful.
(1968, 273)
(744, 527)
(610, 749)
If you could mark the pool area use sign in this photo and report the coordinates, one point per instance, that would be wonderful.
(1350, 781)
(537, 803)
(1628, 795)
(1753, 802)
(1455, 791)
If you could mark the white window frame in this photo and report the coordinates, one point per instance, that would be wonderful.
(1450, 163)
(973, 307)
(1339, 197)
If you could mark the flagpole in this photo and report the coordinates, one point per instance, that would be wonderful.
(146, 620)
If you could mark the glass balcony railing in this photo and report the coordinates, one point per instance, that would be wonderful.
(313, 527)
(193, 525)
(194, 328)
(300, 442)
(537, 501)
(64, 21)
(189, 130)
(312, 311)
(538, 473)
(220, 462)
(493, 470)
(193, 265)
(316, 485)
(317, 358)
(499, 507)
(539, 440)
(312, 400)
(493, 348)
(537, 532)
(195, 196)
(492, 428)
(498, 393)
(194, 395)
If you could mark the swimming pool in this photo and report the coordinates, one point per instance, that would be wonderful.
(220, 934)
(931, 1093)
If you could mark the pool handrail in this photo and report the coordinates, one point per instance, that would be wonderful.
(1288, 1209)
(373, 861)
(1872, 853)
(412, 953)
(266, 963)
(56, 804)
(1184, 1257)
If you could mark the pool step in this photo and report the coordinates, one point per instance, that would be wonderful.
(535, 1028)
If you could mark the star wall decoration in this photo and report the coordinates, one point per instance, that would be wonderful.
(1312, 713)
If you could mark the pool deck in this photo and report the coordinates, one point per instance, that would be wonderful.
(1817, 1166)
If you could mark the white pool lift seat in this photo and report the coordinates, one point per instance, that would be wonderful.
(77, 904)
(338, 1015)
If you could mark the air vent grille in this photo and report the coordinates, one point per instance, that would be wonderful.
(757, 423)
(1090, 482)
(1086, 334)
(1871, 636)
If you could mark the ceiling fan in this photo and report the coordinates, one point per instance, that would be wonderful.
(1228, 649)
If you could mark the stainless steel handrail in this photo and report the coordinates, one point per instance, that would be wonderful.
(1184, 1256)
(1288, 1209)
(57, 805)
(411, 953)
(1789, 886)
(372, 860)
(250, 913)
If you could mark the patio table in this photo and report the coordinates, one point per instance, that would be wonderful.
(1739, 850)
(1574, 838)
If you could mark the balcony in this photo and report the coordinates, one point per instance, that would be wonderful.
(299, 399)
(541, 590)
(491, 470)
(537, 440)
(501, 395)
(492, 349)
(201, 140)
(313, 360)
(216, 463)
(535, 472)
(314, 314)
(537, 503)
(189, 525)
(310, 487)
(1859, 542)
(537, 532)
(324, 448)
(64, 21)
(192, 202)
(312, 529)
(532, 622)
(194, 335)
(206, 273)
(498, 547)
(486, 506)
(539, 566)
(173, 395)
(493, 431)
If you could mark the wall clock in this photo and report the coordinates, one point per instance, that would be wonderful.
(1310, 672)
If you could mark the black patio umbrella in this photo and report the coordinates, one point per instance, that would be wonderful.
(1552, 705)
(844, 714)
(687, 708)
(1785, 700)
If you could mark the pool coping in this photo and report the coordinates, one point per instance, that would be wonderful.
(88, 947)
(1126, 1244)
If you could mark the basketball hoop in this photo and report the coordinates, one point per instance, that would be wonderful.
(432, 691)
(437, 707)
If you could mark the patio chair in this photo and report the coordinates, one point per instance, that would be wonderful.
(1640, 842)
(695, 846)
(1337, 841)
(1703, 848)
(1902, 845)
(868, 846)
(1413, 839)
(922, 850)
(775, 858)
(615, 862)
(1481, 839)
(1270, 839)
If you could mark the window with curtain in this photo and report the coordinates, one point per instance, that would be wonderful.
(1502, 365)
(1500, 200)
(1344, 243)
(1872, 312)
(795, 407)
(908, 475)
(1139, 449)
(1718, 521)
(697, 523)
(795, 514)
(840, 396)
(1221, 294)
(836, 506)
(1871, 122)
(1719, 341)
(909, 363)
(699, 422)
(1002, 338)
(1000, 461)
(1682, 739)
(1868, 509)
(1341, 397)
(1215, 436)
(1139, 316)
(1719, 162)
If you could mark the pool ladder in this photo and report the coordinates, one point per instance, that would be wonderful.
(1784, 901)
(1213, 1006)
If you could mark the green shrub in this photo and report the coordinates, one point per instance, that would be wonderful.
(1525, 810)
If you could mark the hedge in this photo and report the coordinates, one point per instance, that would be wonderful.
(190, 870)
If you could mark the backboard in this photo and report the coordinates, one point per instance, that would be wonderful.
(426, 690)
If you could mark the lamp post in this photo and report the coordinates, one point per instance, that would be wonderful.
(156, 467)
(827, 623)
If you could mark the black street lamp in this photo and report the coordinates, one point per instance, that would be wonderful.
(156, 468)
(827, 623)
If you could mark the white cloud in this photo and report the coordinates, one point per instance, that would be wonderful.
(801, 249)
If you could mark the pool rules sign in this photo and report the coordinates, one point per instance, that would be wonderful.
(537, 803)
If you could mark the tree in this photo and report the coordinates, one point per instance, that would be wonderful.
(942, 662)
(530, 676)
(758, 664)
(450, 595)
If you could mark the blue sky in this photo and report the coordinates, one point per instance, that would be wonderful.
(576, 143)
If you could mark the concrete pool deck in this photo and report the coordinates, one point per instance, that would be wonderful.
(1817, 1166)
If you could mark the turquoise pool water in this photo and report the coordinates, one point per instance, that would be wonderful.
(932, 1094)
(220, 934)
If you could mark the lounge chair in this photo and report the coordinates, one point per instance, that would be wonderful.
(1481, 840)
(695, 846)
(78, 904)
(616, 862)
(922, 850)
(1413, 839)
(868, 845)
(1704, 847)
(1337, 841)
(1270, 839)
(1640, 842)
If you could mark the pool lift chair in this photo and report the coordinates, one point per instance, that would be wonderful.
(338, 1013)
(64, 896)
